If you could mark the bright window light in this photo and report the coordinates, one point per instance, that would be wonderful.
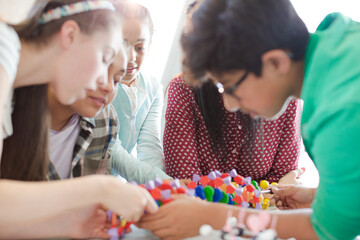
(313, 12)
(166, 15)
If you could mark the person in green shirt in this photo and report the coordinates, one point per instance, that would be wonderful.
(259, 53)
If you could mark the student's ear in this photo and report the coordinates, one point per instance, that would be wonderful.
(69, 31)
(276, 60)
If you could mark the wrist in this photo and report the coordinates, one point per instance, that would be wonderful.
(214, 214)
(103, 186)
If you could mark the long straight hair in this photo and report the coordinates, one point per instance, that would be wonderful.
(214, 113)
(25, 153)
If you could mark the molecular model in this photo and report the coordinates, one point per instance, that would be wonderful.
(235, 229)
(228, 188)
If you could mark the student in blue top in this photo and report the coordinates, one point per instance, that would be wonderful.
(138, 155)
(259, 53)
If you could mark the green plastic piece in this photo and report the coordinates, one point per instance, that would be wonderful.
(253, 182)
(225, 198)
(209, 193)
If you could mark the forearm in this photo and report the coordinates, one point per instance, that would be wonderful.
(45, 228)
(295, 223)
(132, 169)
(47, 199)
(139, 171)
(290, 223)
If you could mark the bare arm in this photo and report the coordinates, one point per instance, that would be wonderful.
(191, 214)
(47, 199)
(87, 222)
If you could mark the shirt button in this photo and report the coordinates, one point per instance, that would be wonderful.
(239, 127)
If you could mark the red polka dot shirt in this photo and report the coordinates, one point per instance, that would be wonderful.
(187, 143)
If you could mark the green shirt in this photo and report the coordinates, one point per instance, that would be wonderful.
(331, 125)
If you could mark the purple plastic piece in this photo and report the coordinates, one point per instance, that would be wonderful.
(114, 238)
(257, 193)
(150, 185)
(133, 182)
(218, 173)
(190, 192)
(227, 180)
(245, 204)
(108, 214)
(196, 178)
(247, 180)
(158, 182)
(166, 194)
(212, 175)
(175, 183)
(113, 232)
(233, 173)
(239, 191)
(258, 206)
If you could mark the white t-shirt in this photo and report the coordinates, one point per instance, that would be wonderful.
(62, 145)
(9, 59)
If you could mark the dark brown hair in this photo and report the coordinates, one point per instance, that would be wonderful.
(25, 153)
(224, 36)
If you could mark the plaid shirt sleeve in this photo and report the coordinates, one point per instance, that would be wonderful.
(92, 150)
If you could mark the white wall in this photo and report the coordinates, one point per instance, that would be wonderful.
(165, 49)
(312, 12)
(15, 11)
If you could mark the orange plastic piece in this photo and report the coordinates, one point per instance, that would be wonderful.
(218, 182)
(238, 199)
(224, 175)
(245, 195)
(250, 187)
(156, 193)
(211, 183)
(230, 189)
(113, 220)
(181, 190)
(120, 230)
(239, 180)
(204, 180)
(191, 185)
(165, 186)
(255, 199)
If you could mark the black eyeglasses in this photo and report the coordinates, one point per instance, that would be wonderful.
(230, 90)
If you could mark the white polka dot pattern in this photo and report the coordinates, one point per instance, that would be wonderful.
(187, 143)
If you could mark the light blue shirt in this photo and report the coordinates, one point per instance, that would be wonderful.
(140, 127)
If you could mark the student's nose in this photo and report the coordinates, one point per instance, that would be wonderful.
(132, 55)
(110, 86)
(102, 80)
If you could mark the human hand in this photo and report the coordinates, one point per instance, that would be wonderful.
(292, 177)
(184, 182)
(178, 219)
(292, 197)
(87, 222)
(128, 200)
